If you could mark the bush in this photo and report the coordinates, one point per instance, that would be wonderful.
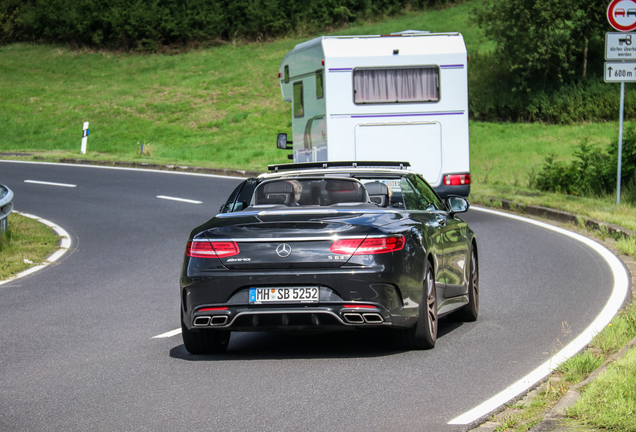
(593, 172)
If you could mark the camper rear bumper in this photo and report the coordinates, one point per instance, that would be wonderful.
(444, 190)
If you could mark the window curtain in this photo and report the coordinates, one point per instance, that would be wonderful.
(396, 85)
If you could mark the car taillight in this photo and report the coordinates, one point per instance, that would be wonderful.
(456, 179)
(369, 246)
(210, 249)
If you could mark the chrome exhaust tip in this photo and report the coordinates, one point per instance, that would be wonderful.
(218, 320)
(353, 318)
(373, 318)
(201, 321)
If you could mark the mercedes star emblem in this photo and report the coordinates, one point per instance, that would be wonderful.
(283, 250)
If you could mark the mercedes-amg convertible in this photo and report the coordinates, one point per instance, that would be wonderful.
(330, 246)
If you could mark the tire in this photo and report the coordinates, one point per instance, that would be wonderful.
(470, 312)
(424, 334)
(204, 341)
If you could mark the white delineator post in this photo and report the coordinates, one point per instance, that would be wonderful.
(84, 138)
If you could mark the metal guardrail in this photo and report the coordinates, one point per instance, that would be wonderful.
(6, 196)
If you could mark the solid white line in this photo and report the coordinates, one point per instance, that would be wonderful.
(179, 199)
(50, 183)
(125, 169)
(619, 292)
(64, 247)
(167, 334)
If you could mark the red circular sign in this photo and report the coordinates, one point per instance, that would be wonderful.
(622, 14)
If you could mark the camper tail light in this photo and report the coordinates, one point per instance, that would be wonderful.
(456, 179)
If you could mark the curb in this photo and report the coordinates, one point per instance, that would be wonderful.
(561, 216)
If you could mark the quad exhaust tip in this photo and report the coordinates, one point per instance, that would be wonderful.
(373, 318)
(354, 318)
(218, 320)
(363, 318)
(204, 321)
(201, 321)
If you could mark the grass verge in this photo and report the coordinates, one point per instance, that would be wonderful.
(25, 243)
(608, 403)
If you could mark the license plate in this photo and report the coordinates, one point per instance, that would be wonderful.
(284, 295)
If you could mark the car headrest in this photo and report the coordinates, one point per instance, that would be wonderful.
(378, 193)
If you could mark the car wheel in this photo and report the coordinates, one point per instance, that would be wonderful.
(424, 334)
(470, 312)
(204, 341)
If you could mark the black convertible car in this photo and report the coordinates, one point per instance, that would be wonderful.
(326, 246)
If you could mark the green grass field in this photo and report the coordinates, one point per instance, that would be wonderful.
(219, 107)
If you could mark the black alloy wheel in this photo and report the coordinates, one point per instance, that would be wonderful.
(424, 334)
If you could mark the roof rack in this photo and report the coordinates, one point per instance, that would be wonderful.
(338, 164)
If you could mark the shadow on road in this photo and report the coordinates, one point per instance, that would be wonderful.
(303, 345)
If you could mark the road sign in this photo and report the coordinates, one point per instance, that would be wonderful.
(620, 72)
(622, 15)
(620, 46)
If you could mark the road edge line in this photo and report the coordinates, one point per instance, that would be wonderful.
(614, 303)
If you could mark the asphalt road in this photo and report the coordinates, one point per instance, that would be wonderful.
(76, 339)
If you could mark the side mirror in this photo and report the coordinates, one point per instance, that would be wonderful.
(457, 204)
(281, 142)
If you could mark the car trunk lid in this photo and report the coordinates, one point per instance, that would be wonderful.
(292, 240)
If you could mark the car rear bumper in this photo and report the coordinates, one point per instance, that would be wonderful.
(460, 190)
(348, 299)
(319, 317)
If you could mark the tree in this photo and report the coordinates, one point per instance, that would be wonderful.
(539, 42)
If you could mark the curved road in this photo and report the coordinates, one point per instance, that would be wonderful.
(78, 353)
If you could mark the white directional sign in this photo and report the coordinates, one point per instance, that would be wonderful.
(620, 72)
(620, 46)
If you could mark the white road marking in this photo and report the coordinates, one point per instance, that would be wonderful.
(179, 199)
(50, 183)
(65, 245)
(168, 334)
(612, 306)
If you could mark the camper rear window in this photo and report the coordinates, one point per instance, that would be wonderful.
(395, 85)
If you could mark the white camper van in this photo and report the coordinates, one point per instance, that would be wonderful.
(397, 97)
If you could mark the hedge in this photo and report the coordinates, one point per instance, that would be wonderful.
(149, 24)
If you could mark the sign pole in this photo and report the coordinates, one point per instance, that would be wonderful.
(620, 145)
(618, 46)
